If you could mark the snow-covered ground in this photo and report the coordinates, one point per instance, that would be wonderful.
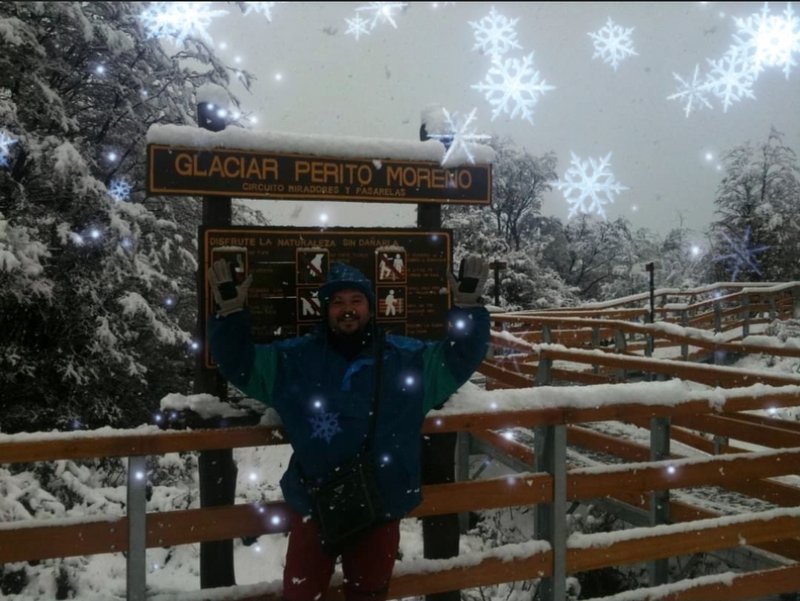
(69, 490)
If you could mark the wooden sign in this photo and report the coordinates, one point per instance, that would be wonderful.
(285, 176)
(408, 269)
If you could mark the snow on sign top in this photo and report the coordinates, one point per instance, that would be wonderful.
(313, 144)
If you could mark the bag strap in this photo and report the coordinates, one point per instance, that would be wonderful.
(380, 337)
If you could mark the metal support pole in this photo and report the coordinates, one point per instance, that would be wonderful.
(550, 520)
(620, 346)
(497, 266)
(796, 302)
(659, 499)
(746, 316)
(136, 576)
(684, 323)
(462, 472)
(544, 374)
(651, 268)
(216, 467)
(440, 533)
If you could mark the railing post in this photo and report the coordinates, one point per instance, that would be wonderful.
(595, 345)
(136, 576)
(684, 323)
(746, 313)
(796, 302)
(216, 468)
(659, 499)
(463, 444)
(550, 520)
(717, 317)
(543, 373)
(440, 533)
(620, 346)
(547, 334)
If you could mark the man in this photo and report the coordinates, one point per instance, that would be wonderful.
(323, 386)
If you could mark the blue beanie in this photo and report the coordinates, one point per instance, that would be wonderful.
(342, 276)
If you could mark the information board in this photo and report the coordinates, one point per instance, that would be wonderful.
(408, 269)
(286, 176)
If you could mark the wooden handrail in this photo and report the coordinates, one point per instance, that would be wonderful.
(169, 528)
(707, 374)
(737, 587)
(680, 539)
(708, 411)
(71, 445)
(662, 475)
(655, 330)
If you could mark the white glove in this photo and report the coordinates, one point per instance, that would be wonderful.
(472, 275)
(229, 297)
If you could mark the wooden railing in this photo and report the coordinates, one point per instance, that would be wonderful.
(543, 409)
(710, 420)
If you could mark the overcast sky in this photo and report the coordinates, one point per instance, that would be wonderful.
(314, 78)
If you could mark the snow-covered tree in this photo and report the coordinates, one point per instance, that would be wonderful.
(519, 180)
(682, 260)
(757, 234)
(590, 253)
(511, 230)
(97, 290)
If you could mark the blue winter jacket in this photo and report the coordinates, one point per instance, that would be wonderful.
(324, 399)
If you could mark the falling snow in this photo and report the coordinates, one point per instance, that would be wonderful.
(741, 255)
(325, 425)
(357, 26)
(120, 189)
(768, 40)
(459, 136)
(179, 20)
(612, 43)
(731, 78)
(495, 34)
(589, 185)
(265, 8)
(513, 86)
(692, 92)
(5, 144)
(382, 12)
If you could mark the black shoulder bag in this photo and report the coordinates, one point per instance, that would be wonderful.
(348, 502)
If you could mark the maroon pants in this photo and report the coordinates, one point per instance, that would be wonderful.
(367, 563)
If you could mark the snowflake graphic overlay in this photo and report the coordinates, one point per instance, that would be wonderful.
(731, 78)
(179, 20)
(589, 185)
(5, 144)
(357, 26)
(382, 12)
(325, 425)
(741, 255)
(459, 137)
(120, 189)
(692, 92)
(495, 34)
(768, 40)
(513, 86)
(613, 43)
(264, 8)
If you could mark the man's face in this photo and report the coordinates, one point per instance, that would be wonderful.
(348, 311)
